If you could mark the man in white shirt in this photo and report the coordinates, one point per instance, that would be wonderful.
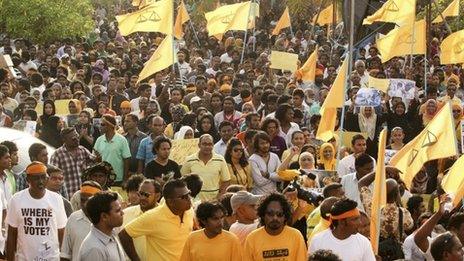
(227, 56)
(342, 238)
(226, 130)
(244, 205)
(36, 219)
(364, 165)
(346, 165)
(184, 67)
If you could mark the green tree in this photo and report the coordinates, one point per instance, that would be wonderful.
(43, 20)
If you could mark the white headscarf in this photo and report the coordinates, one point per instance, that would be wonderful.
(181, 133)
(367, 125)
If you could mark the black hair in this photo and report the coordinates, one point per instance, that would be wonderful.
(260, 136)
(357, 137)
(10, 145)
(194, 184)
(133, 182)
(31, 113)
(98, 204)
(170, 186)
(340, 207)
(35, 149)
(456, 220)
(268, 121)
(66, 131)
(134, 117)
(228, 157)
(251, 115)
(249, 134)
(157, 142)
(282, 110)
(298, 92)
(441, 244)
(286, 208)
(414, 203)
(225, 124)
(200, 77)
(327, 191)
(3, 150)
(225, 201)
(207, 210)
(362, 160)
(52, 169)
(156, 184)
(323, 255)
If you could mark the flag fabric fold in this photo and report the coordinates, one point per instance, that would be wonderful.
(182, 17)
(325, 16)
(156, 17)
(453, 181)
(404, 40)
(452, 48)
(162, 58)
(436, 141)
(307, 72)
(232, 17)
(399, 12)
(283, 22)
(451, 10)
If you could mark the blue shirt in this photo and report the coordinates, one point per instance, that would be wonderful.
(145, 150)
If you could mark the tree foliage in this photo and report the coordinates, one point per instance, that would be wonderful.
(43, 20)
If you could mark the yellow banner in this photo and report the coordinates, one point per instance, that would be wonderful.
(182, 148)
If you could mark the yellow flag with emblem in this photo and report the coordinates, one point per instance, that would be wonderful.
(142, 3)
(399, 12)
(156, 17)
(283, 22)
(232, 17)
(379, 195)
(436, 141)
(453, 181)
(451, 10)
(404, 40)
(335, 99)
(325, 16)
(452, 48)
(182, 17)
(162, 58)
(307, 72)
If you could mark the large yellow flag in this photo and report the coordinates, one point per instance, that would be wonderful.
(335, 99)
(308, 70)
(379, 84)
(142, 3)
(452, 48)
(407, 39)
(156, 17)
(161, 59)
(379, 195)
(453, 182)
(399, 12)
(325, 16)
(451, 10)
(232, 17)
(283, 22)
(182, 17)
(434, 142)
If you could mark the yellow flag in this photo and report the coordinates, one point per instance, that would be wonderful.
(156, 17)
(325, 16)
(308, 70)
(452, 48)
(379, 195)
(451, 10)
(162, 58)
(283, 22)
(453, 182)
(142, 3)
(399, 12)
(232, 17)
(379, 84)
(404, 40)
(434, 142)
(335, 99)
(182, 17)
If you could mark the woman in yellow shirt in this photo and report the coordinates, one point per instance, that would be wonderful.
(327, 157)
(239, 168)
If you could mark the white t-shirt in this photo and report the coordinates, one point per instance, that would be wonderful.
(346, 165)
(37, 221)
(242, 230)
(413, 252)
(355, 248)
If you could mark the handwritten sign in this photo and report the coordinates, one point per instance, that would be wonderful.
(61, 106)
(183, 148)
(26, 126)
(284, 61)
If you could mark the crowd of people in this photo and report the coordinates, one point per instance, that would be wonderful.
(261, 186)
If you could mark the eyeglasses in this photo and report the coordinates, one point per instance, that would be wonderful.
(145, 194)
(272, 213)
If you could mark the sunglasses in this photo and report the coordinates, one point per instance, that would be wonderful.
(238, 150)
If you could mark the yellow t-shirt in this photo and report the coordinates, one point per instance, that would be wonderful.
(140, 243)
(224, 247)
(241, 176)
(212, 173)
(165, 232)
(289, 245)
(286, 153)
(312, 220)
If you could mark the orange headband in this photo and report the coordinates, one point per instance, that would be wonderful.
(36, 169)
(348, 214)
(89, 189)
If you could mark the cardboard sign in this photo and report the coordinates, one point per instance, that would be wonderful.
(284, 61)
(402, 88)
(182, 148)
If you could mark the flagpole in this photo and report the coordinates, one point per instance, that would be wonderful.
(348, 73)
(246, 32)
(442, 17)
(194, 32)
(174, 51)
(254, 28)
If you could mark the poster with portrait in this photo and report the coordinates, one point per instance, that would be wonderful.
(406, 89)
(368, 97)
(26, 126)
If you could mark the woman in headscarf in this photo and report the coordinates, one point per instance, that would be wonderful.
(457, 116)
(185, 132)
(429, 111)
(100, 67)
(48, 110)
(50, 132)
(74, 107)
(85, 129)
(327, 160)
(206, 126)
(177, 113)
(397, 117)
